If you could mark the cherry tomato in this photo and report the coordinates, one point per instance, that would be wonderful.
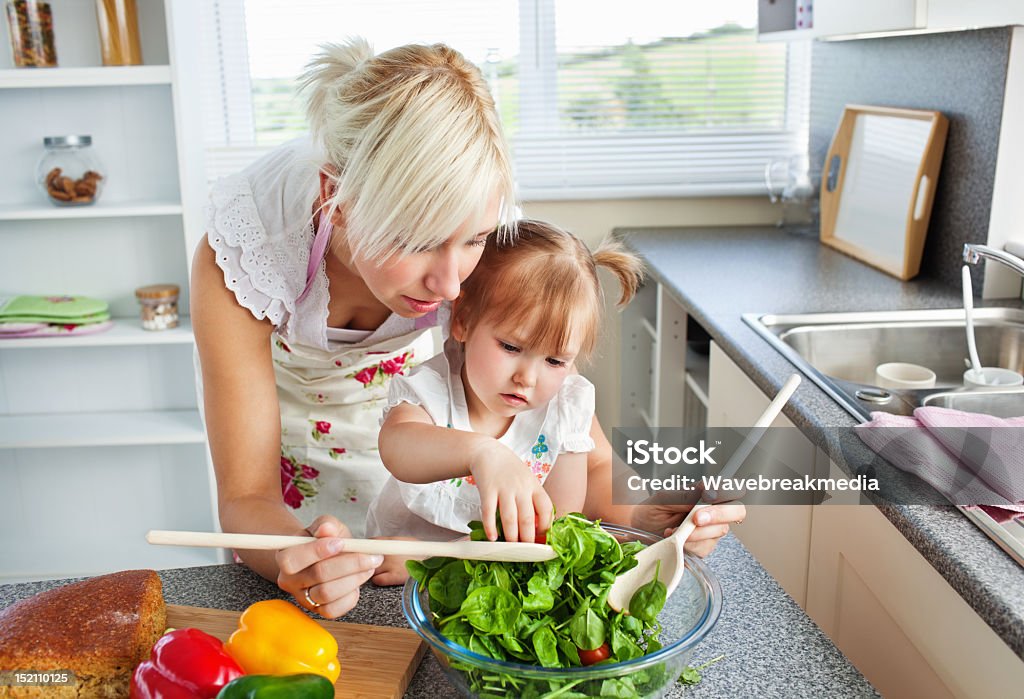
(541, 538)
(589, 657)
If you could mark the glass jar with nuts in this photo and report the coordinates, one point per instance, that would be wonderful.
(69, 171)
(159, 303)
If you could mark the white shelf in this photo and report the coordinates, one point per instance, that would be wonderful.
(646, 419)
(152, 427)
(88, 422)
(646, 325)
(699, 392)
(126, 331)
(98, 76)
(100, 209)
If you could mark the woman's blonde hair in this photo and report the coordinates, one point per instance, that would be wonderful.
(545, 283)
(415, 140)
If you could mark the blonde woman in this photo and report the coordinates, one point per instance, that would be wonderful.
(322, 269)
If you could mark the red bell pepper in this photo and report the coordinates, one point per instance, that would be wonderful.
(184, 664)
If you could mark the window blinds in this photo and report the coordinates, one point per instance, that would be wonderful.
(644, 98)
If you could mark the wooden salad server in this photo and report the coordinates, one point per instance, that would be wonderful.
(669, 551)
(476, 550)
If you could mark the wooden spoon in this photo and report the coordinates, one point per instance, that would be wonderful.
(669, 551)
(475, 550)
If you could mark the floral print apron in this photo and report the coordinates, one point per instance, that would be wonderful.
(331, 406)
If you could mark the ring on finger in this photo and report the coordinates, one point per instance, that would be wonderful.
(738, 521)
(314, 605)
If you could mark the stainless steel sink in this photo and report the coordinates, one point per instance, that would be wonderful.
(839, 352)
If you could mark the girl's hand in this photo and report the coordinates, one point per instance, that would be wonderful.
(508, 486)
(392, 571)
(320, 575)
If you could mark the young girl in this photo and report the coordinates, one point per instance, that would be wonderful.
(499, 424)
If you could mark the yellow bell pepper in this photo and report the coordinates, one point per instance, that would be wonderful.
(275, 638)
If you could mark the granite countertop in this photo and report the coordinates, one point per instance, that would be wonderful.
(771, 646)
(718, 274)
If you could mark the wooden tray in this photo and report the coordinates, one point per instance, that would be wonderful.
(376, 661)
(878, 184)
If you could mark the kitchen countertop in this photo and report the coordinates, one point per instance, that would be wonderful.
(718, 274)
(771, 646)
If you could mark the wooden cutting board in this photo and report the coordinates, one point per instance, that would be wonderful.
(376, 661)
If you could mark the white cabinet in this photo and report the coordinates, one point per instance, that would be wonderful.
(777, 535)
(894, 616)
(843, 17)
(957, 14)
(100, 435)
(777, 19)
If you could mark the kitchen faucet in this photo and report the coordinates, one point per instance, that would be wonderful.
(973, 253)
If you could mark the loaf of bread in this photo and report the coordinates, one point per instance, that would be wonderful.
(99, 629)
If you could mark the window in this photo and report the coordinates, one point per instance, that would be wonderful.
(644, 98)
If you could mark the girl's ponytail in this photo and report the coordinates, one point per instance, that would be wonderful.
(324, 75)
(626, 266)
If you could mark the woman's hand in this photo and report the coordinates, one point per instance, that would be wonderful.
(712, 522)
(320, 575)
(508, 486)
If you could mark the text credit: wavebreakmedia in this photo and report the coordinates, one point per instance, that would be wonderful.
(673, 465)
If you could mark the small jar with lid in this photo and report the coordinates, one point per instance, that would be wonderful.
(31, 27)
(159, 306)
(69, 172)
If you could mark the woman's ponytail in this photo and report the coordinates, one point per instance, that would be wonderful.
(626, 267)
(324, 75)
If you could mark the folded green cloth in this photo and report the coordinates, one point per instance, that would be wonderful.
(53, 309)
(73, 320)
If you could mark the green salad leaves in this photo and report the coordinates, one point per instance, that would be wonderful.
(552, 614)
(691, 675)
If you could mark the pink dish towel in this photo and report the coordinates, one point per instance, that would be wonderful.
(975, 460)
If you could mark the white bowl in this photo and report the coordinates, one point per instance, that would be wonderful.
(904, 375)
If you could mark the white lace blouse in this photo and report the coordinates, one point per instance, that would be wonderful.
(260, 224)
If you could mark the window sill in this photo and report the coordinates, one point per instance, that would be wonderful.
(739, 189)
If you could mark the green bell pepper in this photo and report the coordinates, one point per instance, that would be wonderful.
(302, 686)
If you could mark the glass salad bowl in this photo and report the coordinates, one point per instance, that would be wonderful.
(687, 617)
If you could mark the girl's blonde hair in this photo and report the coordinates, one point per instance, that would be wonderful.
(415, 139)
(545, 284)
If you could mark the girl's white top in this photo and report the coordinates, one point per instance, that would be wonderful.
(443, 510)
(260, 224)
